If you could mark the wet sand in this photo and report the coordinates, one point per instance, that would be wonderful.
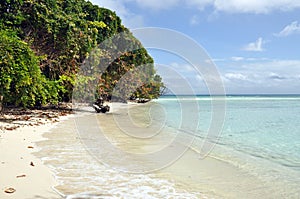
(209, 176)
(103, 155)
(82, 174)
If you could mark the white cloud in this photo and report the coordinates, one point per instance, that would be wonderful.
(255, 46)
(237, 58)
(114, 5)
(269, 76)
(235, 76)
(181, 78)
(218, 60)
(247, 6)
(129, 19)
(200, 4)
(293, 28)
(198, 77)
(157, 4)
(228, 6)
(182, 67)
(194, 20)
(257, 59)
(133, 20)
(292, 66)
(276, 76)
(261, 76)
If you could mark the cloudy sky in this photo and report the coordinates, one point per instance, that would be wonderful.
(255, 44)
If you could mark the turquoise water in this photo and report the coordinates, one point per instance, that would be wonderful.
(268, 128)
(260, 134)
(262, 126)
(258, 145)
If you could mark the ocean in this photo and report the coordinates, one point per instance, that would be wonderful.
(260, 136)
(266, 126)
(255, 154)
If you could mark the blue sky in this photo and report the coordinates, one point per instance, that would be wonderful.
(253, 43)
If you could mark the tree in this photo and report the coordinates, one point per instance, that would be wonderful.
(21, 81)
(57, 36)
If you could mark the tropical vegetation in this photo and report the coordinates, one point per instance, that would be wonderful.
(46, 44)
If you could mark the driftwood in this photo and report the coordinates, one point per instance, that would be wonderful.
(99, 106)
(142, 100)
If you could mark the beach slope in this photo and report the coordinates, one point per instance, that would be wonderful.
(22, 175)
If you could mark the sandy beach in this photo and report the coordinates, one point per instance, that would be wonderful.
(23, 175)
(55, 160)
(82, 174)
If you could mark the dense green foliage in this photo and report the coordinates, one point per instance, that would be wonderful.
(44, 43)
(21, 81)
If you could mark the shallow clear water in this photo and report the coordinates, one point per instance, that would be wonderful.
(81, 175)
(258, 149)
(261, 135)
(267, 128)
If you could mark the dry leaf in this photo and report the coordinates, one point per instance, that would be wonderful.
(9, 190)
(21, 176)
(26, 117)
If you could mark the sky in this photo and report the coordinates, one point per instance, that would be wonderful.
(253, 43)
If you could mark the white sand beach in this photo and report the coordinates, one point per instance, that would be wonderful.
(23, 175)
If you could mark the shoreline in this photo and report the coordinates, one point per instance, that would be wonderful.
(23, 173)
(79, 173)
(189, 174)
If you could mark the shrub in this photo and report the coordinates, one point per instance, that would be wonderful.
(21, 82)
